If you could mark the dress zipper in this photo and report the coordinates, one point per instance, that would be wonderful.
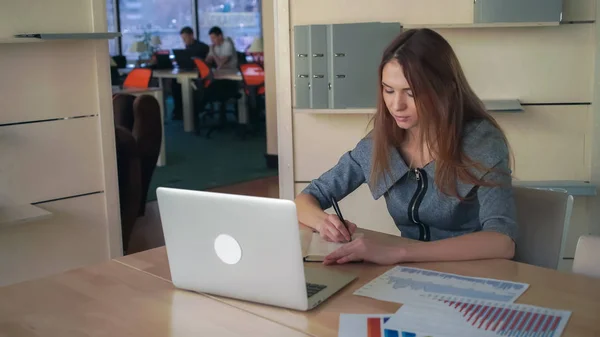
(413, 207)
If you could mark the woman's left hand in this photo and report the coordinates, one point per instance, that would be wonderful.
(365, 250)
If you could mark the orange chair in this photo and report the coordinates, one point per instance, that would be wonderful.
(138, 78)
(209, 90)
(204, 71)
(253, 76)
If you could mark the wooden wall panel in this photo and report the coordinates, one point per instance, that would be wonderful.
(74, 236)
(47, 80)
(548, 142)
(404, 11)
(35, 16)
(44, 161)
(534, 65)
(409, 11)
(320, 140)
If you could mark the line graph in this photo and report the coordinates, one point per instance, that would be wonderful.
(407, 285)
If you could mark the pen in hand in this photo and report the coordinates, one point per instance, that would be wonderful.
(336, 208)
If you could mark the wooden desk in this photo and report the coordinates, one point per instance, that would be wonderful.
(158, 94)
(548, 288)
(184, 78)
(115, 300)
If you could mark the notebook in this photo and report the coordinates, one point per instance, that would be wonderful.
(319, 248)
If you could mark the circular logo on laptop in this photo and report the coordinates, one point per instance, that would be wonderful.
(228, 249)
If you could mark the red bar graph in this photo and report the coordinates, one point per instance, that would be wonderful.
(373, 327)
(509, 319)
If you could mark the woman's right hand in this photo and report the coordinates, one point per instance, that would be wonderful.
(331, 229)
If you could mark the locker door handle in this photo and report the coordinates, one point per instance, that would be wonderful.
(303, 76)
(318, 55)
(302, 55)
(339, 54)
(340, 76)
(318, 76)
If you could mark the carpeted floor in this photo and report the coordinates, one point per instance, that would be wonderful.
(194, 162)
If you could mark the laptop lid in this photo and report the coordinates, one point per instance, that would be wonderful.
(234, 246)
(163, 61)
(184, 60)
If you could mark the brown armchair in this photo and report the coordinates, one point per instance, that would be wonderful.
(147, 131)
(130, 181)
(138, 136)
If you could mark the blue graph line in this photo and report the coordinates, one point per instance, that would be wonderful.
(430, 287)
(494, 283)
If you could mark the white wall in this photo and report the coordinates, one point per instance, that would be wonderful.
(541, 66)
(56, 140)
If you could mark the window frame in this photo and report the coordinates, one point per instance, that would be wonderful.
(195, 21)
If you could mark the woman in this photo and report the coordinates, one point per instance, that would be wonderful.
(438, 158)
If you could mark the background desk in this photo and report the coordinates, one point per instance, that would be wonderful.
(184, 78)
(115, 300)
(548, 288)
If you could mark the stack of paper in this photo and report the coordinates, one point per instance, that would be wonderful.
(443, 304)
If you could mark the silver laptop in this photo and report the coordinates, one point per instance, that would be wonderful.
(241, 247)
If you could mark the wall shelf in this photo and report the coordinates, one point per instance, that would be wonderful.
(41, 37)
(573, 187)
(21, 214)
(481, 25)
(498, 105)
(503, 105)
(335, 111)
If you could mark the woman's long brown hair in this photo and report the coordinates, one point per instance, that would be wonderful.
(445, 104)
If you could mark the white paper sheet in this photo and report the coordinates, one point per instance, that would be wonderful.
(478, 318)
(319, 248)
(409, 285)
(360, 325)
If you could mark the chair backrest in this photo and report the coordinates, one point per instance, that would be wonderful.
(252, 74)
(138, 78)
(130, 181)
(542, 217)
(587, 256)
(147, 131)
(204, 71)
(123, 110)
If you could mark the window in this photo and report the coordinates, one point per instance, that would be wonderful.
(142, 19)
(239, 19)
(113, 44)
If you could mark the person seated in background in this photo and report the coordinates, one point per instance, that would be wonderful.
(200, 50)
(222, 54)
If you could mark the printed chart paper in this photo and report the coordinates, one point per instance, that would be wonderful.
(478, 318)
(358, 325)
(410, 285)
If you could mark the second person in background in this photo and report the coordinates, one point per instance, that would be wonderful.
(437, 157)
(222, 53)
